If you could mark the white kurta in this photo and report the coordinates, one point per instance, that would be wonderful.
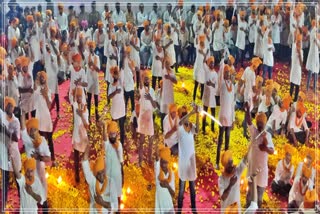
(112, 50)
(51, 65)
(218, 43)
(108, 195)
(11, 89)
(167, 96)
(313, 56)
(156, 64)
(263, 107)
(198, 69)
(135, 54)
(241, 35)
(145, 120)
(114, 159)
(259, 159)
(249, 78)
(13, 150)
(209, 93)
(43, 150)
(234, 193)
(281, 173)
(42, 111)
(295, 192)
(167, 126)
(26, 99)
(276, 20)
(296, 69)
(268, 54)
(163, 202)
(74, 76)
(27, 203)
(79, 131)
(258, 45)
(226, 113)
(118, 106)
(187, 156)
(93, 75)
(299, 174)
(278, 117)
(252, 29)
(170, 50)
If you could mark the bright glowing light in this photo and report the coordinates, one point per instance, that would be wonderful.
(275, 152)
(241, 182)
(305, 160)
(175, 165)
(128, 190)
(123, 198)
(247, 189)
(47, 175)
(183, 85)
(59, 180)
(122, 206)
(211, 117)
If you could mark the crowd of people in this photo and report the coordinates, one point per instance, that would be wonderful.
(232, 50)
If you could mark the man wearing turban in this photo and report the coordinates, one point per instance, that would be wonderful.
(36, 147)
(99, 37)
(229, 181)
(260, 148)
(299, 189)
(241, 36)
(298, 127)
(13, 31)
(62, 19)
(103, 197)
(284, 172)
(113, 150)
(80, 126)
(165, 181)
(170, 129)
(10, 133)
(31, 191)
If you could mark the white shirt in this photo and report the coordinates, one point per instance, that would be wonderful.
(276, 28)
(218, 43)
(62, 21)
(295, 193)
(294, 126)
(141, 17)
(296, 69)
(114, 159)
(167, 126)
(234, 193)
(226, 114)
(249, 78)
(167, 18)
(153, 17)
(118, 105)
(187, 156)
(241, 35)
(118, 17)
(281, 172)
(259, 159)
(74, 75)
(313, 56)
(252, 29)
(146, 39)
(99, 38)
(108, 195)
(263, 106)
(27, 203)
(128, 76)
(268, 54)
(42, 111)
(278, 117)
(209, 94)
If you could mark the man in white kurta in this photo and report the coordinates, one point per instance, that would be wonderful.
(313, 57)
(296, 67)
(114, 158)
(241, 37)
(187, 156)
(229, 181)
(260, 148)
(170, 129)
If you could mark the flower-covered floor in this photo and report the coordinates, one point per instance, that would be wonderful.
(139, 188)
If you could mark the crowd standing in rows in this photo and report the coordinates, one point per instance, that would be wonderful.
(232, 50)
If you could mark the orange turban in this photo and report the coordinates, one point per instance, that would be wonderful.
(145, 23)
(299, 37)
(226, 157)
(199, 13)
(216, 13)
(159, 21)
(172, 107)
(99, 165)
(127, 49)
(113, 37)
(14, 42)
(313, 23)
(64, 47)
(242, 14)
(276, 86)
(253, 8)
(286, 102)
(78, 91)
(17, 61)
(129, 25)
(181, 110)
(10, 100)
(311, 153)
(73, 23)
(256, 61)
(25, 61)
(38, 14)
(207, 6)
(261, 117)
(60, 6)
(301, 108)
(226, 23)
(91, 44)
(76, 57)
(268, 12)
(239, 74)
(29, 163)
(269, 82)
(268, 90)
(120, 24)
(306, 172)
(32, 123)
(43, 74)
(180, 3)
(201, 8)
(54, 29)
(202, 38)
(3, 52)
(232, 208)
(288, 148)
(310, 199)
(112, 127)
(259, 80)
(100, 24)
(210, 60)
(146, 73)
(164, 153)
(48, 12)
(114, 71)
(231, 59)
(302, 96)
(30, 18)
(15, 21)
(226, 68)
